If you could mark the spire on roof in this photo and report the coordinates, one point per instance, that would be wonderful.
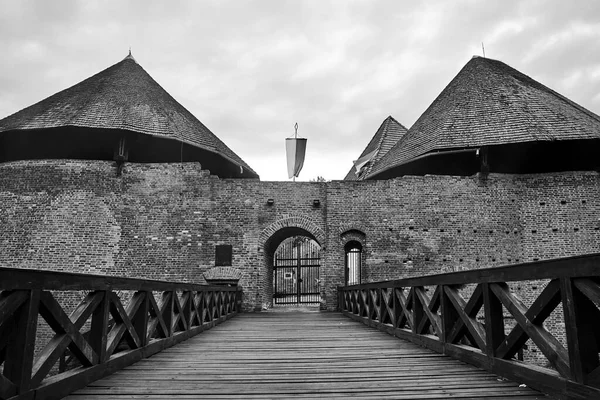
(130, 56)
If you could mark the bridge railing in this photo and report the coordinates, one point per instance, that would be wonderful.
(481, 317)
(116, 322)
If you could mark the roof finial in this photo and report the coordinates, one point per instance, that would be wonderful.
(130, 56)
(296, 128)
(483, 48)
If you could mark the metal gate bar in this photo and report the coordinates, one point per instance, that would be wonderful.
(296, 272)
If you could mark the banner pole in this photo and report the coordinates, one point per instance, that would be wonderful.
(295, 137)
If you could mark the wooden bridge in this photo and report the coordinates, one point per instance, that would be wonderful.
(295, 354)
(461, 335)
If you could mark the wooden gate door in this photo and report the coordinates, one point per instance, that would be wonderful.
(296, 272)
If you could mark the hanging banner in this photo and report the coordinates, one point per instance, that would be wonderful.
(295, 149)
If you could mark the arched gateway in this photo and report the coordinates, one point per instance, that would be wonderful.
(292, 261)
(296, 272)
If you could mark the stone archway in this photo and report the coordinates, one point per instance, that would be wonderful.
(270, 239)
(303, 223)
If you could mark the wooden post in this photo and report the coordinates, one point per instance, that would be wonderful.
(494, 320)
(362, 304)
(220, 308)
(167, 310)
(369, 305)
(99, 327)
(397, 308)
(141, 317)
(579, 314)
(186, 309)
(448, 313)
(382, 305)
(201, 306)
(372, 302)
(21, 345)
(417, 310)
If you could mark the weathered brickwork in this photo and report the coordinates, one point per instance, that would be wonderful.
(163, 221)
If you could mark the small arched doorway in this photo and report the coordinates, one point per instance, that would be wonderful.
(353, 251)
(296, 271)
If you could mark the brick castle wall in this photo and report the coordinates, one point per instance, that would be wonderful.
(163, 221)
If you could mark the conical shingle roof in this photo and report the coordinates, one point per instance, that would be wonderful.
(388, 134)
(489, 103)
(122, 97)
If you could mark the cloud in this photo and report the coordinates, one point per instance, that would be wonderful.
(250, 69)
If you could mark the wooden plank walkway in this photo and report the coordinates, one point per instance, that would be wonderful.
(299, 355)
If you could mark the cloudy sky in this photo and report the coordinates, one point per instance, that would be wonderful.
(249, 70)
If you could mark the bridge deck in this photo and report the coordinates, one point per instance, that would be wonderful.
(300, 355)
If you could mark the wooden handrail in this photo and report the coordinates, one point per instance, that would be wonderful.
(27, 279)
(548, 269)
(474, 316)
(116, 335)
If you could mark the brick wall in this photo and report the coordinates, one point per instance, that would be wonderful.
(162, 221)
